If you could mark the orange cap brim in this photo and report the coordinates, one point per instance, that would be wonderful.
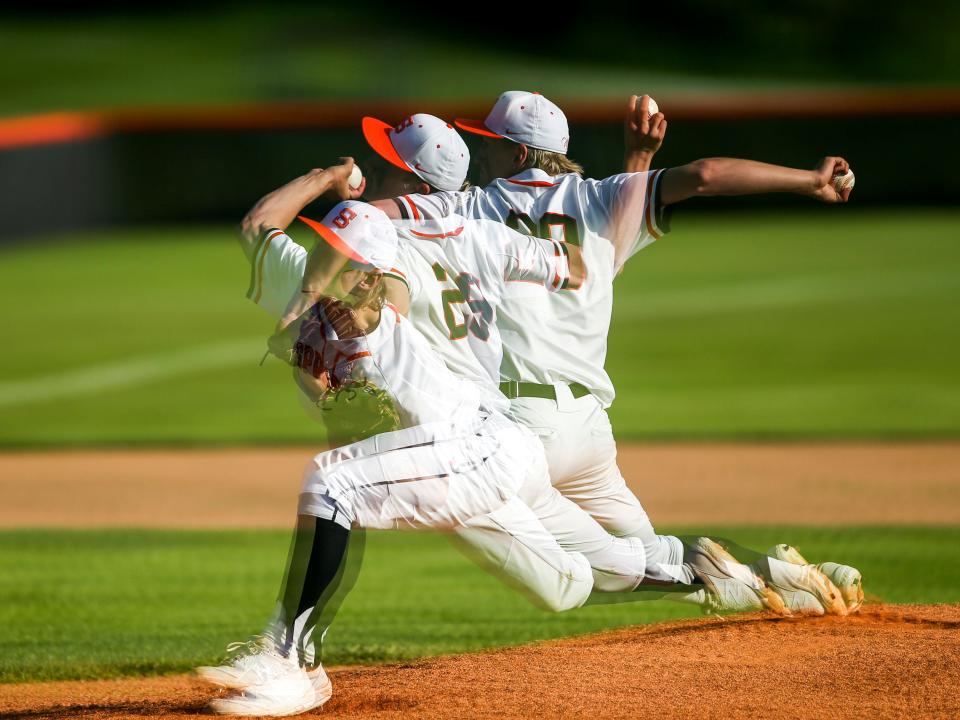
(332, 239)
(476, 127)
(377, 134)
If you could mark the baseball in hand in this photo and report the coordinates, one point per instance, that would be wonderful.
(842, 182)
(356, 177)
(652, 108)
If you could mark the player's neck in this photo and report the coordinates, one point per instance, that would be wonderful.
(367, 318)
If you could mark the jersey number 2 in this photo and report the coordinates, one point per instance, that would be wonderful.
(481, 313)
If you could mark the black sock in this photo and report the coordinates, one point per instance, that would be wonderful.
(314, 576)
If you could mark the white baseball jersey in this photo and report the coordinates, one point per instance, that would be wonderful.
(394, 357)
(561, 337)
(400, 361)
(457, 272)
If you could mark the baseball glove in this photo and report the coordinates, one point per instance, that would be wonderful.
(323, 347)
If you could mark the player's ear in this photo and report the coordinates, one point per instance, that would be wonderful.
(520, 157)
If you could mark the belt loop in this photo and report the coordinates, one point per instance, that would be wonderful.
(565, 399)
(513, 389)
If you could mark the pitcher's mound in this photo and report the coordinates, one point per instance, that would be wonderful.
(890, 661)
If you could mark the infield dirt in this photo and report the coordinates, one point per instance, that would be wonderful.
(887, 662)
(679, 484)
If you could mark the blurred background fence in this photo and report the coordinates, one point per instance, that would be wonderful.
(81, 170)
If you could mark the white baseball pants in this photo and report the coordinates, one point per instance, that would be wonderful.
(582, 457)
(489, 484)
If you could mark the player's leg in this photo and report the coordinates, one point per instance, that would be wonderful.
(582, 458)
(512, 544)
(323, 566)
(617, 564)
(382, 482)
(279, 672)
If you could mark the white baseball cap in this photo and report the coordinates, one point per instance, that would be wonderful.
(361, 232)
(422, 144)
(526, 118)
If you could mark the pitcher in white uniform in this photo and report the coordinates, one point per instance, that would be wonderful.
(456, 463)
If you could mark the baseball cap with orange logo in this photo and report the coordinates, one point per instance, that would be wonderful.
(524, 117)
(422, 144)
(360, 231)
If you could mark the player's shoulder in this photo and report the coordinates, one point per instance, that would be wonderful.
(274, 238)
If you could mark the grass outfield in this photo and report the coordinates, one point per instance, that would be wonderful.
(86, 604)
(830, 323)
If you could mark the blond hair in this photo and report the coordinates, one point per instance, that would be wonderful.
(552, 163)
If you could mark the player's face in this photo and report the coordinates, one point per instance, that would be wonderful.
(496, 159)
(358, 283)
(350, 279)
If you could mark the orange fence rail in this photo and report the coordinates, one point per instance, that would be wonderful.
(58, 127)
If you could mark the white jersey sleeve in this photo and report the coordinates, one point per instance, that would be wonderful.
(629, 206)
(276, 271)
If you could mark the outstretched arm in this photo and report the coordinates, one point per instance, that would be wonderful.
(732, 176)
(643, 134)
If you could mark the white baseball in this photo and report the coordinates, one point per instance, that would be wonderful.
(652, 108)
(841, 182)
(356, 177)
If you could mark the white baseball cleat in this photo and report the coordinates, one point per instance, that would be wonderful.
(847, 579)
(254, 662)
(804, 588)
(731, 585)
(292, 693)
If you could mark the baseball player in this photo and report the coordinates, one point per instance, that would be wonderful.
(438, 473)
(456, 312)
(555, 347)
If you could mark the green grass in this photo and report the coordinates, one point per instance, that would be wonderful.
(795, 325)
(105, 603)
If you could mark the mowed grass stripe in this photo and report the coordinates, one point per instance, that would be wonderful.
(85, 604)
(130, 372)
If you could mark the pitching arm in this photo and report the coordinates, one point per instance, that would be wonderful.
(279, 208)
(732, 176)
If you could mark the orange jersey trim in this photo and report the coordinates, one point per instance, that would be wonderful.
(413, 208)
(438, 236)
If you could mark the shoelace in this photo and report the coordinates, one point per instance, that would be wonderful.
(257, 645)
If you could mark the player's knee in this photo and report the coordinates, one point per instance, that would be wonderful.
(569, 589)
(323, 506)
